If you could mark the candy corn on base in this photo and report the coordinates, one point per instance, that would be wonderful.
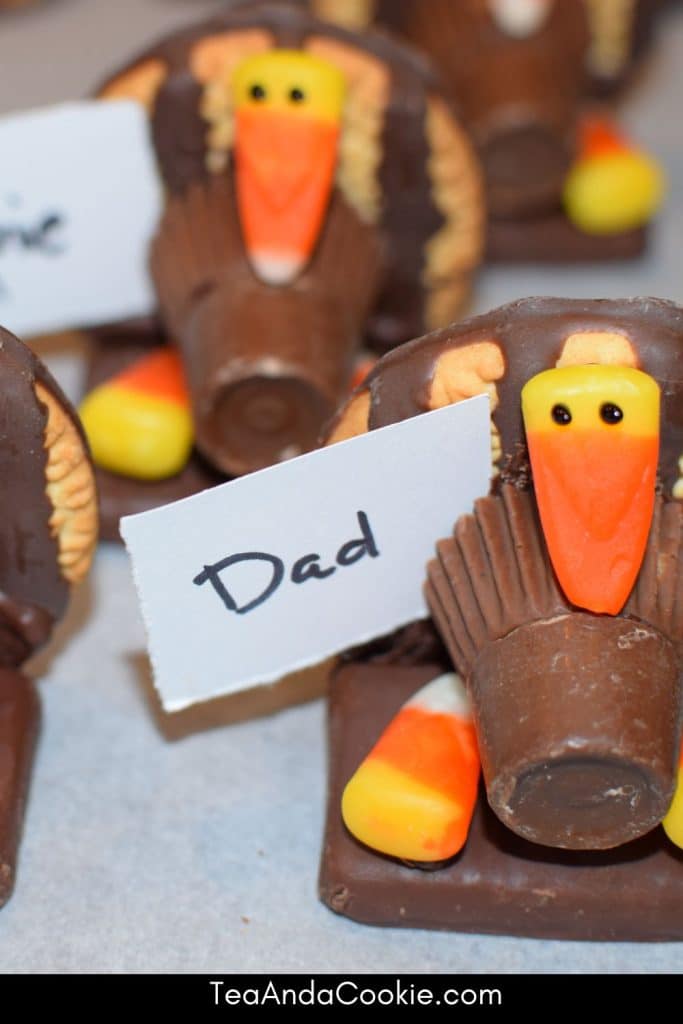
(413, 795)
(498, 883)
(139, 422)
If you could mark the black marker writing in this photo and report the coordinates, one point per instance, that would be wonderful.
(306, 568)
(212, 573)
(39, 236)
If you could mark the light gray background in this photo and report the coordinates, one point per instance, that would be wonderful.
(154, 844)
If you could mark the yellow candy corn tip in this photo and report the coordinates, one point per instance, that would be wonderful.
(136, 435)
(291, 81)
(614, 192)
(394, 814)
(583, 391)
(673, 820)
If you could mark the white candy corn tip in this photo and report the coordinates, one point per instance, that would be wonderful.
(445, 695)
(277, 268)
(520, 18)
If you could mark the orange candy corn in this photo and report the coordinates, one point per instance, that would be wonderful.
(593, 437)
(287, 125)
(413, 796)
(139, 422)
(600, 136)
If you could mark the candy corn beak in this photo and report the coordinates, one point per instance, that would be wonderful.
(288, 109)
(593, 438)
(520, 18)
(414, 794)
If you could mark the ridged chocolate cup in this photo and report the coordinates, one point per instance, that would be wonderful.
(266, 365)
(578, 716)
(266, 368)
(518, 96)
(578, 728)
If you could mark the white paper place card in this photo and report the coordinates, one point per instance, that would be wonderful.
(246, 582)
(79, 200)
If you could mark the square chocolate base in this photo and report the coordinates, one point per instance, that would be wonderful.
(553, 239)
(19, 724)
(499, 883)
(123, 496)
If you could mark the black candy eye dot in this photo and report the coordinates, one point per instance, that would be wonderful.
(611, 413)
(297, 95)
(257, 92)
(561, 415)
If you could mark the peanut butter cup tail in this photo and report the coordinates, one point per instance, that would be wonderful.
(578, 715)
(19, 723)
(266, 365)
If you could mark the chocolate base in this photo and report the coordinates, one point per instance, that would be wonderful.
(554, 239)
(124, 496)
(19, 721)
(499, 883)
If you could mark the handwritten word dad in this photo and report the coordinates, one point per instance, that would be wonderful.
(307, 567)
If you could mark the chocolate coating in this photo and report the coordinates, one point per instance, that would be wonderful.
(499, 883)
(266, 366)
(34, 591)
(19, 720)
(409, 217)
(33, 585)
(531, 333)
(125, 496)
(554, 239)
(578, 715)
(518, 96)
(579, 729)
(641, 17)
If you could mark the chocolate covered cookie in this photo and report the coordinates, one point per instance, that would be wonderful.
(47, 537)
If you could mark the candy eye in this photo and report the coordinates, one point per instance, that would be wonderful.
(611, 413)
(297, 95)
(257, 92)
(561, 415)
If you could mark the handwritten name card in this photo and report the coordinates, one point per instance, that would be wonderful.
(241, 584)
(79, 201)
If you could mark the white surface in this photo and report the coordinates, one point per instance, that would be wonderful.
(409, 482)
(104, 188)
(142, 853)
